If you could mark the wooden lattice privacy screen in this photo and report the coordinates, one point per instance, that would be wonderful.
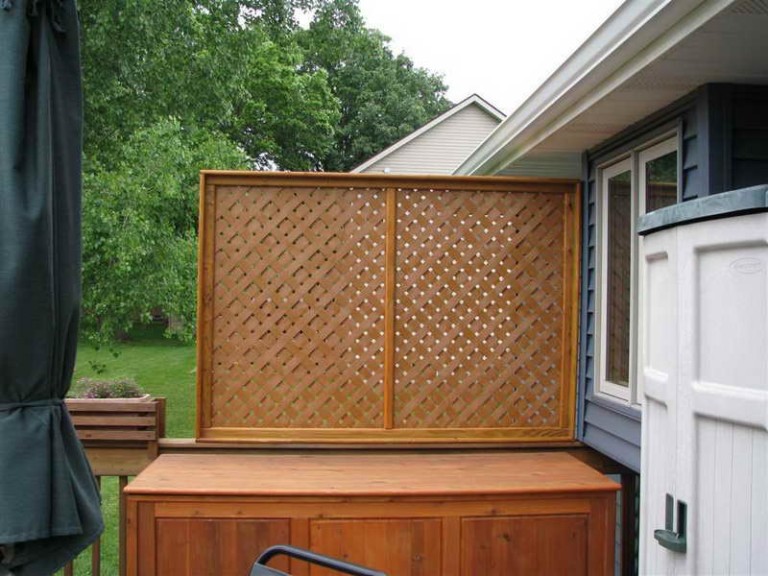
(381, 309)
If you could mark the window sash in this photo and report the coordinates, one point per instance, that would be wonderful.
(636, 164)
(606, 386)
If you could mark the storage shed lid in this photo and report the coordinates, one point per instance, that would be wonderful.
(735, 203)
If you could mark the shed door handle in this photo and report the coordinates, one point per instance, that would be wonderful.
(668, 538)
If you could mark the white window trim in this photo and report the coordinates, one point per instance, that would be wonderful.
(604, 386)
(635, 163)
(645, 156)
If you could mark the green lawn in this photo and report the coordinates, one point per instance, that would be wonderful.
(162, 367)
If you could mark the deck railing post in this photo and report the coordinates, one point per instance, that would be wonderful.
(122, 483)
(629, 515)
(96, 546)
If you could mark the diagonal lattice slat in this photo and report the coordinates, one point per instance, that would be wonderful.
(298, 308)
(479, 309)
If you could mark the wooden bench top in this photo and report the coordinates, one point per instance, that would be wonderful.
(366, 474)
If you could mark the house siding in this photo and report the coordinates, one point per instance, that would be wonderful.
(733, 121)
(749, 136)
(546, 165)
(723, 135)
(441, 149)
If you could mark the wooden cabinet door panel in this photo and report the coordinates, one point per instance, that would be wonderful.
(216, 546)
(402, 547)
(506, 546)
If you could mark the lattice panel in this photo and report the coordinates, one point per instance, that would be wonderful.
(298, 308)
(377, 309)
(479, 309)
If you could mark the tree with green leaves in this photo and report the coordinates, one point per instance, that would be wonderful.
(228, 66)
(139, 227)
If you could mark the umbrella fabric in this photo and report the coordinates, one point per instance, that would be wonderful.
(49, 502)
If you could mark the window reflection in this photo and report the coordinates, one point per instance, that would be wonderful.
(661, 182)
(619, 277)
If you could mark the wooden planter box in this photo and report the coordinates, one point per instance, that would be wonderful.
(120, 435)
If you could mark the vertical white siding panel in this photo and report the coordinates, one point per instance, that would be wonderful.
(658, 481)
(703, 530)
(759, 512)
(722, 501)
(741, 499)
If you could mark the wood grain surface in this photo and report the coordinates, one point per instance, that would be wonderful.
(370, 474)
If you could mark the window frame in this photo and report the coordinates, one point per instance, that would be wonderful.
(635, 162)
(605, 386)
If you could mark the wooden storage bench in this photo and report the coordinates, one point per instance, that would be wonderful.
(408, 514)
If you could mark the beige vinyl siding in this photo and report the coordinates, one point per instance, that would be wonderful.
(546, 165)
(441, 149)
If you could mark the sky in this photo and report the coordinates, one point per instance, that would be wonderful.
(500, 49)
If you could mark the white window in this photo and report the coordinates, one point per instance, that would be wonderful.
(644, 181)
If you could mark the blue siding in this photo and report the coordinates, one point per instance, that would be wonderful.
(691, 177)
(749, 135)
(733, 123)
(713, 118)
(615, 447)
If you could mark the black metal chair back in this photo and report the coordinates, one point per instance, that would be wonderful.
(260, 568)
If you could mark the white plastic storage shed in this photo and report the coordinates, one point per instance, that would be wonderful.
(703, 364)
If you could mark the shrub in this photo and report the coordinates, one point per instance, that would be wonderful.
(109, 388)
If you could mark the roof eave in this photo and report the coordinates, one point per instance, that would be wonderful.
(634, 36)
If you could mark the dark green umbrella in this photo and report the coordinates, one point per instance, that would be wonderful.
(49, 502)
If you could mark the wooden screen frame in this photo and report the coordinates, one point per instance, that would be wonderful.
(387, 435)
